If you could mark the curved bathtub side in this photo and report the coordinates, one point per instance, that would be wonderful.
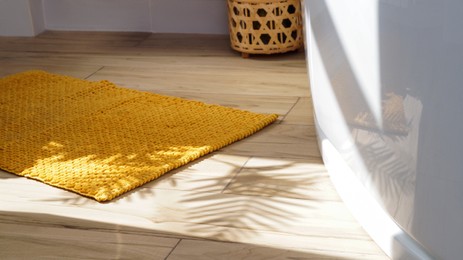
(386, 80)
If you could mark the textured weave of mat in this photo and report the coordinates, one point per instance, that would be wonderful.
(100, 140)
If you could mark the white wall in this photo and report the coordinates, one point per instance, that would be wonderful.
(189, 16)
(101, 15)
(173, 16)
(38, 21)
(30, 17)
(21, 17)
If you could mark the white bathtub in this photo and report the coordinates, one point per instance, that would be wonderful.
(387, 84)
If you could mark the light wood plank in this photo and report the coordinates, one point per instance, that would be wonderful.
(301, 114)
(285, 134)
(195, 249)
(20, 241)
(273, 150)
(268, 221)
(296, 178)
(198, 78)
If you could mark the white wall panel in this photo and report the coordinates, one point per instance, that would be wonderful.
(36, 11)
(30, 17)
(97, 15)
(189, 16)
(16, 17)
(167, 16)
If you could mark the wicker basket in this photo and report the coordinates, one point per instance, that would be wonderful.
(265, 26)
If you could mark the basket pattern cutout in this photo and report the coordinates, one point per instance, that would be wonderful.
(265, 27)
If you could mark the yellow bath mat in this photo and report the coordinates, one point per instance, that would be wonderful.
(100, 140)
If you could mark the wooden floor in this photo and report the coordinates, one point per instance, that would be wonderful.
(265, 197)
